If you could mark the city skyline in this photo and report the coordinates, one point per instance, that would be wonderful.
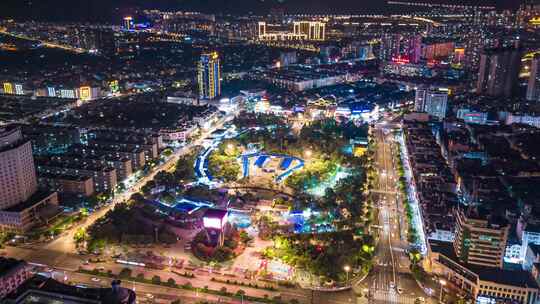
(109, 11)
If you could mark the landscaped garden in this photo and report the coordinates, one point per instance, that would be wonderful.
(296, 199)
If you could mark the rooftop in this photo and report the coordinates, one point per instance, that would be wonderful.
(36, 198)
(8, 264)
(45, 289)
(517, 278)
(215, 213)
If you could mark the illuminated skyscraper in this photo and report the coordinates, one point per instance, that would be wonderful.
(533, 86)
(312, 30)
(209, 76)
(415, 48)
(17, 172)
(390, 47)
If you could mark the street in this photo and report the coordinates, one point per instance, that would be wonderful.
(390, 280)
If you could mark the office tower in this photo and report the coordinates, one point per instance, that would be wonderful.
(128, 23)
(533, 87)
(415, 48)
(311, 30)
(434, 102)
(209, 76)
(499, 71)
(480, 239)
(17, 172)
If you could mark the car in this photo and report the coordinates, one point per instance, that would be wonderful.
(95, 280)
(149, 296)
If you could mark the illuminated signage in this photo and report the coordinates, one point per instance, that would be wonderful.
(400, 60)
(535, 21)
(211, 222)
(8, 88)
(85, 93)
(19, 89)
(113, 85)
(51, 91)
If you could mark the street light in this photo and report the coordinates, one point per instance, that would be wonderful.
(347, 268)
(443, 283)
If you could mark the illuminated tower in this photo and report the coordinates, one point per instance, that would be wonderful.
(128, 23)
(17, 172)
(310, 30)
(262, 30)
(415, 48)
(533, 86)
(209, 76)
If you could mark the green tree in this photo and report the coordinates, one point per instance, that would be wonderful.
(171, 282)
(156, 280)
(80, 236)
(240, 292)
(244, 237)
(125, 273)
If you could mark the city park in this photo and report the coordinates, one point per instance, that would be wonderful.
(261, 198)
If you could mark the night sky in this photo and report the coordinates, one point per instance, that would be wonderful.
(112, 10)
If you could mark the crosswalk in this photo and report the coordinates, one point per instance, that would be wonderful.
(386, 296)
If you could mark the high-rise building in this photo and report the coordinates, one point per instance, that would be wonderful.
(390, 47)
(17, 172)
(261, 29)
(480, 239)
(22, 205)
(533, 87)
(313, 30)
(434, 102)
(209, 76)
(415, 48)
(498, 72)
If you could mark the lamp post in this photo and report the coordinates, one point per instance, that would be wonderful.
(443, 283)
(347, 268)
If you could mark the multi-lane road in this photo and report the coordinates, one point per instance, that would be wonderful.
(390, 280)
